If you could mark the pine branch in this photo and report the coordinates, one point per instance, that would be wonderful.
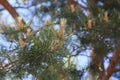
(113, 63)
(11, 10)
(16, 7)
(117, 70)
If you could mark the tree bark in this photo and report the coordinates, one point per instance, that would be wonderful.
(113, 63)
(10, 9)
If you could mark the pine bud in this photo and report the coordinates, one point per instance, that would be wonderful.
(59, 45)
(89, 23)
(72, 8)
(2, 32)
(11, 38)
(62, 76)
(51, 67)
(21, 42)
(62, 28)
(52, 49)
(74, 26)
(70, 31)
(61, 31)
(106, 17)
(56, 13)
(28, 32)
(55, 1)
(20, 24)
(46, 22)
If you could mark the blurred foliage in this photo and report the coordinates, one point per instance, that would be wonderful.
(45, 53)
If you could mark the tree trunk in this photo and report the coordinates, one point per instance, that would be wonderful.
(113, 63)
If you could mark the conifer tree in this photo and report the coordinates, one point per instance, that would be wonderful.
(48, 53)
